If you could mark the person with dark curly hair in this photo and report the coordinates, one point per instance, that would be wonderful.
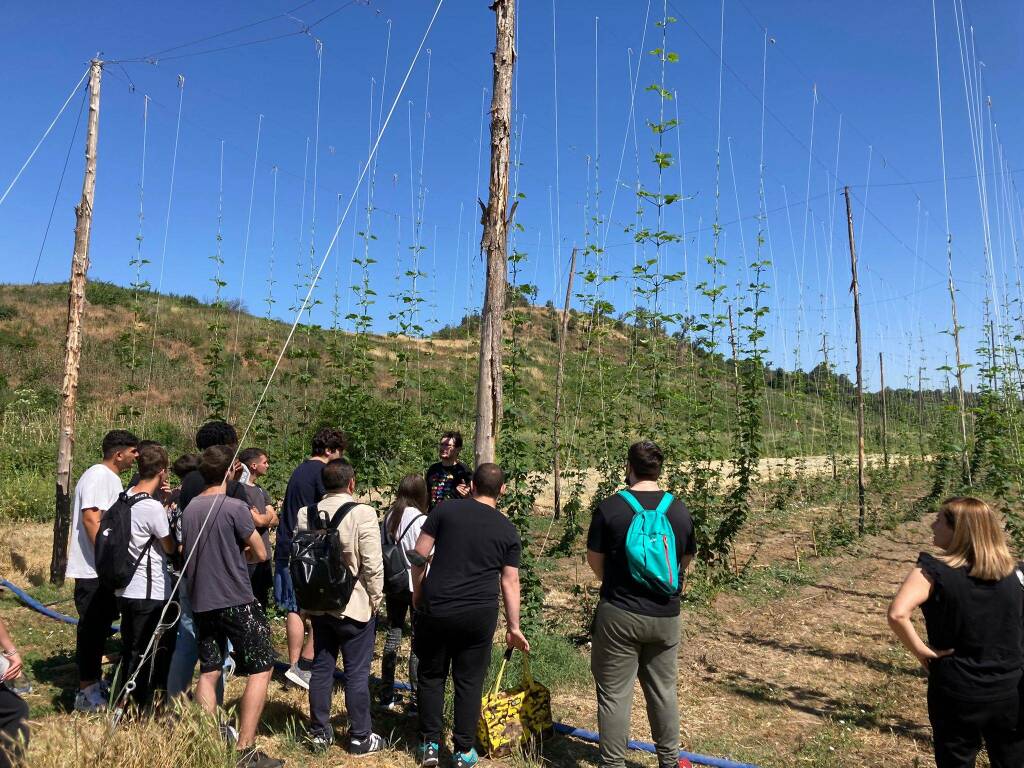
(305, 487)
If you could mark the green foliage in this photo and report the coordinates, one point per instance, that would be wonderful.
(554, 661)
(102, 294)
(7, 312)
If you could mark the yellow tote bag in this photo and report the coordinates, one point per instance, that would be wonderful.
(514, 717)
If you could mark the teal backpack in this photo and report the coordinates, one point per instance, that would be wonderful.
(651, 546)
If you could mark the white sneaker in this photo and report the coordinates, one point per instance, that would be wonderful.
(90, 700)
(299, 677)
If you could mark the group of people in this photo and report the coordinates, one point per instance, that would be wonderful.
(201, 577)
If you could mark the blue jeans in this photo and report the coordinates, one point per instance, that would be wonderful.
(186, 651)
(284, 593)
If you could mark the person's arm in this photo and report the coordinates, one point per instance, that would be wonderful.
(596, 562)
(91, 522)
(911, 595)
(168, 545)
(255, 552)
(10, 651)
(514, 636)
(424, 546)
(262, 519)
(271, 510)
(371, 560)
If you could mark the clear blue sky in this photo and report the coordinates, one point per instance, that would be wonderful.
(873, 64)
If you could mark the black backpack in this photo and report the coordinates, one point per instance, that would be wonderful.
(320, 578)
(114, 568)
(396, 575)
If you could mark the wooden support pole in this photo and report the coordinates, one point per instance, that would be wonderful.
(73, 343)
(563, 329)
(855, 289)
(885, 413)
(494, 242)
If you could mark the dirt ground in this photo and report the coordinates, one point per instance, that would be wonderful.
(797, 668)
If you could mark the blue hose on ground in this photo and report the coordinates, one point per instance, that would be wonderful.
(35, 605)
(562, 728)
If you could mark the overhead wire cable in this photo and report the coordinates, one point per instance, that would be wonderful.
(60, 184)
(46, 133)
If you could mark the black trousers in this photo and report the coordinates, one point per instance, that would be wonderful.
(97, 610)
(960, 727)
(462, 643)
(139, 619)
(354, 641)
(13, 728)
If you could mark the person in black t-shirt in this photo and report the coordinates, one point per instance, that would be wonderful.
(448, 478)
(636, 630)
(264, 516)
(972, 597)
(476, 549)
(305, 487)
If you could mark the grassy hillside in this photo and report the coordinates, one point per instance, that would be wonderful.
(160, 364)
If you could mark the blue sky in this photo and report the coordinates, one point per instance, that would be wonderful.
(873, 69)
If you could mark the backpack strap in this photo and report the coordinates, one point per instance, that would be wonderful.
(631, 500)
(340, 513)
(665, 503)
(402, 534)
(313, 517)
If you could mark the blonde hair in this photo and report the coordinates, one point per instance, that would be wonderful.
(979, 540)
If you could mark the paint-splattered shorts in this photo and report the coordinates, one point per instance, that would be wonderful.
(247, 628)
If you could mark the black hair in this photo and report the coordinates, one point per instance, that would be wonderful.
(488, 480)
(337, 474)
(184, 464)
(646, 458)
(250, 455)
(453, 434)
(216, 433)
(215, 463)
(329, 439)
(116, 440)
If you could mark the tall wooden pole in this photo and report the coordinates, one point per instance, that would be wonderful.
(855, 289)
(563, 330)
(885, 413)
(920, 411)
(489, 400)
(73, 344)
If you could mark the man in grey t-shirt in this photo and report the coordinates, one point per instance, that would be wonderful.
(218, 537)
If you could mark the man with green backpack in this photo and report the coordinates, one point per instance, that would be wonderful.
(640, 544)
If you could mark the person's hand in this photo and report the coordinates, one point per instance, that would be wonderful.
(929, 655)
(254, 512)
(462, 490)
(14, 670)
(515, 638)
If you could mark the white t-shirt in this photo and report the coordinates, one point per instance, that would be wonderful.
(98, 487)
(413, 520)
(149, 519)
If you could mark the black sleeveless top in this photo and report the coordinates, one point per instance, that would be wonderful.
(982, 622)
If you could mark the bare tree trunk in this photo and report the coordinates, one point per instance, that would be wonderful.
(563, 328)
(73, 344)
(885, 413)
(489, 400)
(855, 289)
(920, 412)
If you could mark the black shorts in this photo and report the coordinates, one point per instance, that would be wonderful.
(247, 628)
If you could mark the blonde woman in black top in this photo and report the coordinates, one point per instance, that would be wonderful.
(972, 598)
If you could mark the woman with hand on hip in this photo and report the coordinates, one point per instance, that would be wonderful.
(972, 598)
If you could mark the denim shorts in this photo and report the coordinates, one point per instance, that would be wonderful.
(284, 594)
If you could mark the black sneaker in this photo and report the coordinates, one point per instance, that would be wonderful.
(253, 758)
(369, 745)
(427, 753)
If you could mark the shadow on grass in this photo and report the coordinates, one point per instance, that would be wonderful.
(850, 657)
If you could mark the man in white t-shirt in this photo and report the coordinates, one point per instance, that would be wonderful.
(96, 491)
(143, 600)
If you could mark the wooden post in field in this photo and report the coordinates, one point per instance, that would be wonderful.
(885, 413)
(855, 289)
(73, 343)
(489, 400)
(563, 329)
